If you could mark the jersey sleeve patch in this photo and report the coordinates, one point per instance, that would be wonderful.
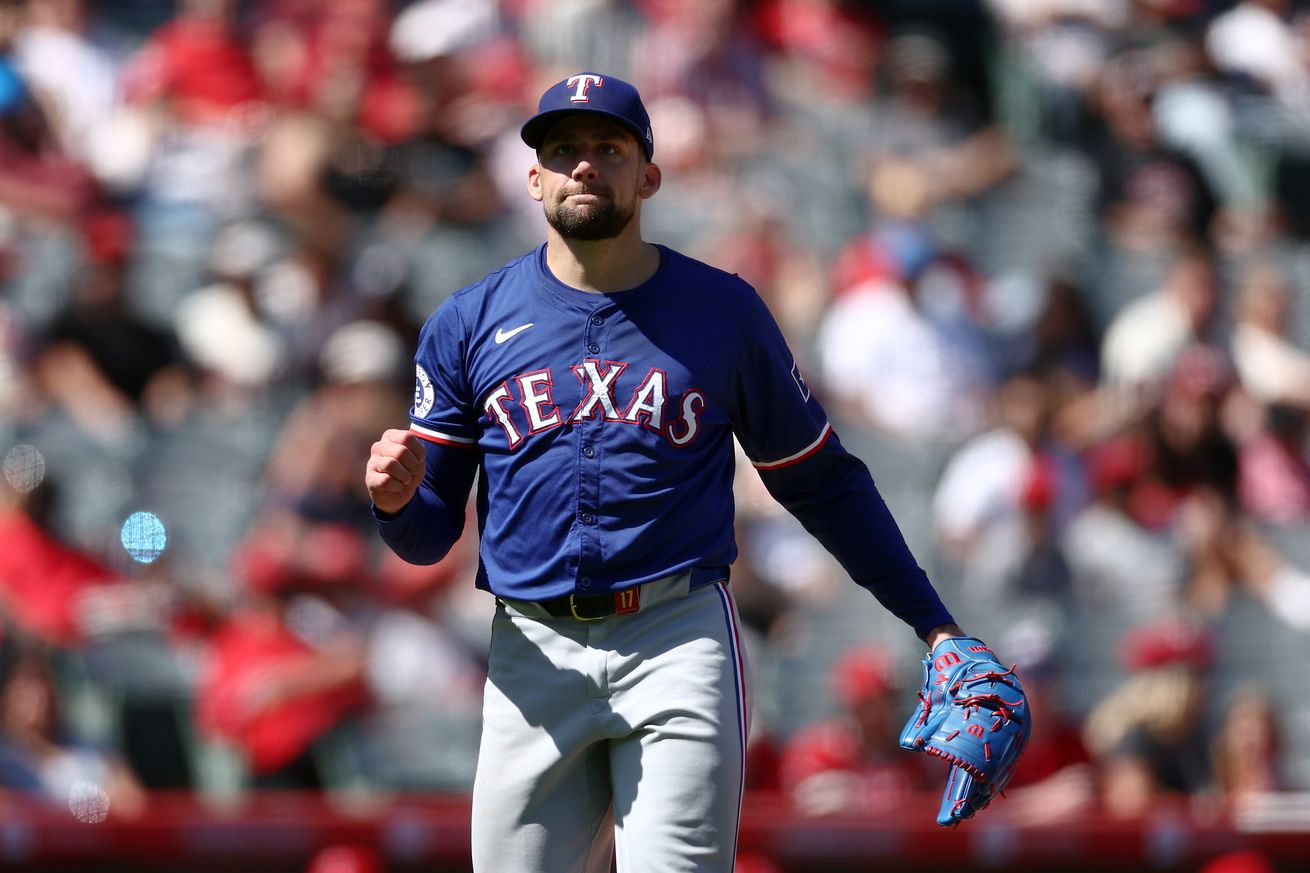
(424, 394)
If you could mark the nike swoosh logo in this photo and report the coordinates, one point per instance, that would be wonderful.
(502, 335)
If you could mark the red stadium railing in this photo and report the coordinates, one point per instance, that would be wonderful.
(278, 833)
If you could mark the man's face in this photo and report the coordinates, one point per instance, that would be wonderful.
(590, 176)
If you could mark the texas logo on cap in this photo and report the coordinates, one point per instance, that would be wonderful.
(591, 92)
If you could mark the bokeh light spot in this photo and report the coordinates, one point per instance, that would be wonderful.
(88, 802)
(24, 468)
(144, 536)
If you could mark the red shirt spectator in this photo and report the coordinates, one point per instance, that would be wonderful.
(43, 582)
(198, 63)
(271, 694)
(852, 761)
(332, 59)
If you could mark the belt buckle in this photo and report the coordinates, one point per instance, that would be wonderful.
(573, 608)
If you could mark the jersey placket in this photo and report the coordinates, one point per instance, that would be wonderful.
(590, 551)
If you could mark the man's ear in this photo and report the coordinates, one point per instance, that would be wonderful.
(651, 179)
(534, 183)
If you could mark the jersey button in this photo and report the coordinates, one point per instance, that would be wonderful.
(588, 451)
(597, 320)
(584, 582)
(594, 348)
(587, 518)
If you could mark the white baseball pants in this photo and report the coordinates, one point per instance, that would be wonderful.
(618, 738)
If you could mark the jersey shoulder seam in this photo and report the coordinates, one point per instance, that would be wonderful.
(694, 264)
(489, 282)
(480, 289)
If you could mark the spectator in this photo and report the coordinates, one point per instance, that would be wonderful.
(1272, 368)
(1054, 779)
(1147, 335)
(1062, 339)
(74, 77)
(447, 214)
(1247, 749)
(987, 481)
(1062, 45)
(228, 340)
(102, 362)
(1117, 561)
(827, 50)
(361, 366)
(198, 105)
(1020, 560)
(1282, 585)
(583, 33)
(1151, 199)
(59, 595)
(900, 368)
(852, 761)
(1173, 514)
(424, 671)
(1256, 39)
(38, 757)
(283, 670)
(1192, 446)
(1148, 737)
(344, 105)
(38, 179)
(196, 67)
(706, 51)
(934, 139)
(275, 696)
(1273, 467)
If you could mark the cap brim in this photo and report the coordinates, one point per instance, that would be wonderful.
(534, 131)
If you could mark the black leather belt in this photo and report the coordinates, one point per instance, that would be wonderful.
(591, 607)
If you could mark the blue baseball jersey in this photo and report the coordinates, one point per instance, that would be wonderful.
(605, 421)
(603, 425)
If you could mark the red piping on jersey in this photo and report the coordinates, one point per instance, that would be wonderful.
(804, 453)
(441, 438)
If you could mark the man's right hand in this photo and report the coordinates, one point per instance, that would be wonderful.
(395, 470)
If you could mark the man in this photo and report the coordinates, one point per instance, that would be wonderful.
(597, 384)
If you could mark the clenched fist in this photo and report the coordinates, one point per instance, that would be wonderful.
(395, 469)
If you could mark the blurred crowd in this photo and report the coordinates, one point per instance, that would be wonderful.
(1045, 262)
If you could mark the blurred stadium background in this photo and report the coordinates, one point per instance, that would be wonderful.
(1045, 261)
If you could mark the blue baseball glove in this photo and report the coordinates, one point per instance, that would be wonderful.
(972, 714)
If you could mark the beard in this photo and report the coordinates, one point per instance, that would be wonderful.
(604, 219)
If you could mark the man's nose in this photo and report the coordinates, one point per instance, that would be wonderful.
(584, 170)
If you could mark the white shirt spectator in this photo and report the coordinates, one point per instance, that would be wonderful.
(1143, 341)
(1271, 368)
(902, 371)
(77, 82)
(980, 484)
(1254, 40)
(1118, 564)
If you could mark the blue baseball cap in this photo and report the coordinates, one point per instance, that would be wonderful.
(591, 92)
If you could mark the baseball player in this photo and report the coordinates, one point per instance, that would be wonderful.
(592, 388)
